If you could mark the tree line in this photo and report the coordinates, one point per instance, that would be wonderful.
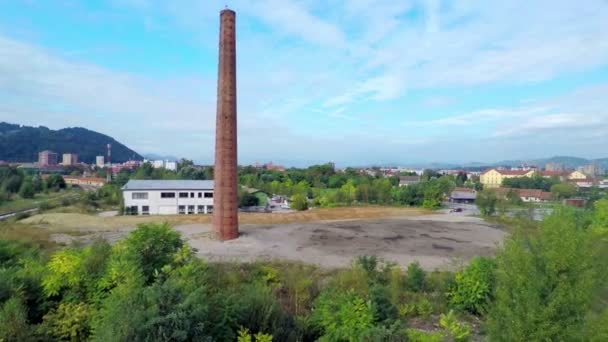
(16, 182)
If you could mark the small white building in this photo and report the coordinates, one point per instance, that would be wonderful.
(100, 161)
(158, 164)
(171, 165)
(168, 197)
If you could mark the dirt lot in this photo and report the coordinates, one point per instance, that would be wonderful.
(328, 237)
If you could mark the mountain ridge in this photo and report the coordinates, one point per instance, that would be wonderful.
(20, 143)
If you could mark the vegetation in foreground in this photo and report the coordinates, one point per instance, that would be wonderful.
(544, 284)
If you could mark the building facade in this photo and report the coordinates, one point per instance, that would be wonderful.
(591, 170)
(493, 178)
(100, 161)
(168, 197)
(91, 181)
(46, 158)
(69, 159)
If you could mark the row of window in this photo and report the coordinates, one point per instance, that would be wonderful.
(200, 209)
(145, 210)
(144, 195)
(134, 210)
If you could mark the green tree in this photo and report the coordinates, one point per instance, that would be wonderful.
(13, 321)
(563, 190)
(486, 202)
(299, 202)
(55, 182)
(546, 282)
(27, 189)
(247, 200)
(343, 316)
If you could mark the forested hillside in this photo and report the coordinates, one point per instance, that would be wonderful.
(22, 143)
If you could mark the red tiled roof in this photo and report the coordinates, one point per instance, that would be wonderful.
(530, 193)
(553, 173)
(509, 172)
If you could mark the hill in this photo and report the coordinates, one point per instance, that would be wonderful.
(22, 143)
(568, 161)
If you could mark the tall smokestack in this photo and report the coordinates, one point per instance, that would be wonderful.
(225, 203)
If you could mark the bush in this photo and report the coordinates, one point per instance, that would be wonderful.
(299, 202)
(342, 316)
(458, 332)
(473, 286)
(547, 282)
(152, 246)
(69, 321)
(26, 190)
(415, 277)
(13, 321)
(415, 335)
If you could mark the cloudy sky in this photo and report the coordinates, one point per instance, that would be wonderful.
(350, 81)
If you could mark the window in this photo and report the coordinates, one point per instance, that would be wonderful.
(139, 195)
(201, 208)
(190, 209)
(167, 195)
(192, 195)
(209, 209)
(208, 194)
(200, 195)
(183, 195)
(131, 210)
(181, 209)
(145, 210)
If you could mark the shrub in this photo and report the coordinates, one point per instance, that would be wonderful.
(473, 286)
(342, 316)
(69, 321)
(458, 332)
(299, 202)
(415, 277)
(13, 321)
(381, 302)
(152, 246)
(547, 282)
(415, 335)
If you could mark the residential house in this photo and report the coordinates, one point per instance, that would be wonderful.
(408, 180)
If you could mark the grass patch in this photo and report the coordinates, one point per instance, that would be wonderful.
(37, 237)
(53, 199)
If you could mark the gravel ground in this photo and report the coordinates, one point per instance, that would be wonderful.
(435, 241)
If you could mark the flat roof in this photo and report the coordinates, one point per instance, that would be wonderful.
(179, 184)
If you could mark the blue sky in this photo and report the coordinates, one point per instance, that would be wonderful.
(354, 82)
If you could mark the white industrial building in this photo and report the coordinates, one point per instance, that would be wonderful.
(168, 197)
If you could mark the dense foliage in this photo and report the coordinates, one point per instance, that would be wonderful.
(16, 183)
(322, 186)
(534, 182)
(544, 284)
(22, 143)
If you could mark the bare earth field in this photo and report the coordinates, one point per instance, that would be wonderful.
(325, 237)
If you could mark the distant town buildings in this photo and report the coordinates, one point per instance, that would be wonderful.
(270, 166)
(91, 181)
(556, 167)
(493, 178)
(100, 161)
(69, 159)
(47, 158)
(591, 170)
(128, 165)
(408, 180)
(526, 195)
(162, 164)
